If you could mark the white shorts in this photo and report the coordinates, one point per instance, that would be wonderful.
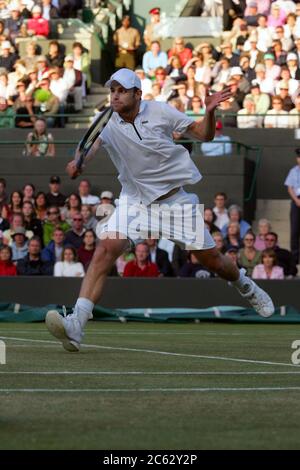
(178, 218)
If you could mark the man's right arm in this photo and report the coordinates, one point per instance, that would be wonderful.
(72, 169)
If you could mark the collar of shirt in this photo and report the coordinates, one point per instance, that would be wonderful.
(141, 109)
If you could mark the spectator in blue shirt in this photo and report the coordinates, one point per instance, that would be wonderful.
(154, 58)
(220, 145)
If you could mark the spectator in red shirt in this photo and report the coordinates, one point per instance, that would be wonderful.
(178, 49)
(141, 266)
(7, 267)
(38, 26)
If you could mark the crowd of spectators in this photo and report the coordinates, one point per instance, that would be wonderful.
(258, 57)
(47, 233)
(33, 84)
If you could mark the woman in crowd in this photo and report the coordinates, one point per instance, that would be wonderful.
(28, 193)
(86, 250)
(264, 227)
(31, 222)
(89, 220)
(268, 269)
(174, 69)
(197, 108)
(15, 203)
(219, 241)
(69, 266)
(7, 267)
(235, 215)
(233, 238)
(71, 208)
(202, 72)
(209, 220)
(41, 206)
(249, 257)
(40, 143)
(82, 62)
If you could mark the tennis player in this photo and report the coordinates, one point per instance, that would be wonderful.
(152, 170)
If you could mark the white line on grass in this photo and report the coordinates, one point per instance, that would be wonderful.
(147, 390)
(142, 373)
(163, 353)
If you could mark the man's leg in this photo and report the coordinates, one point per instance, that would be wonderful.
(70, 329)
(223, 266)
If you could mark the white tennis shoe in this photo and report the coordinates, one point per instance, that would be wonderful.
(259, 299)
(67, 329)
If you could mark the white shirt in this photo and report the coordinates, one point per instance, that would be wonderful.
(150, 164)
(90, 200)
(59, 89)
(146, 86)
(69, 78)
(279, 119)
(222, 217)
(66, 269)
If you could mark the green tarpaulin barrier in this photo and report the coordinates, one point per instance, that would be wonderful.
(10, 312)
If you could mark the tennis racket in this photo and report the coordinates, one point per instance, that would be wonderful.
(92, 134)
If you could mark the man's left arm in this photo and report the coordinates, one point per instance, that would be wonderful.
(205, 129)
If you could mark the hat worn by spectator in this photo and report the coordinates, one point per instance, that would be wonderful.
(127, 78)
(252, 5)
(226, 45)
(291, 56)
(236, 71)
(270, 56)
(36, 9)
(69, 58)
(254, 84)
(154, 11)
(283, 86)
(106, 195)
(5, 45)
(297, 152)
(19, 231)
(219, 125)
(260, 68)
(41, 58)
(55, 179)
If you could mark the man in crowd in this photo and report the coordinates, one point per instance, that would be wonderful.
(127, 40)
(54, 197)
(141, 266)
(159, 257)
(293, 186)
(32, 264)
(284, 257)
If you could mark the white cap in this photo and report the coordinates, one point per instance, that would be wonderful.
(127, 78)
(5, 45)
(292, 56)
(69, 58)
(36, 9)
(236, 71)
(106, 195)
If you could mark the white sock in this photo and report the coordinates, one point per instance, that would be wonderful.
(84, 310)
(243, 283)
